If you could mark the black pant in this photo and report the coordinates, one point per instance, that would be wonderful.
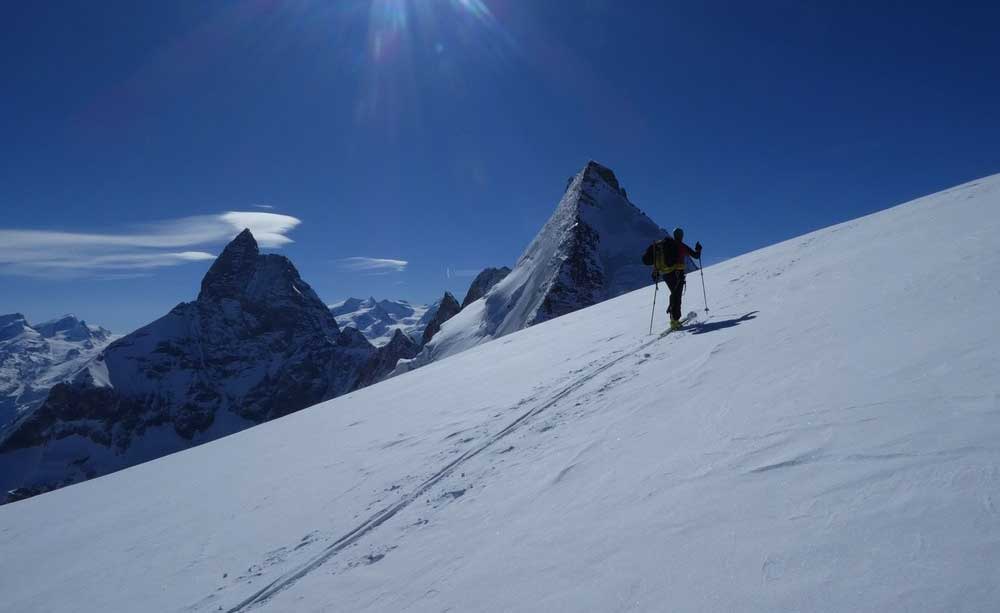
(675, 281)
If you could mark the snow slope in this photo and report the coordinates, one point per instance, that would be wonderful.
(827, 440)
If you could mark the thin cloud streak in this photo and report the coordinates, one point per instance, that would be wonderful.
(380, 266)
(460, 272)
(56, 254)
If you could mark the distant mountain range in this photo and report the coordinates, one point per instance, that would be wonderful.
(257, 343)
(378, 320)
(33, 358)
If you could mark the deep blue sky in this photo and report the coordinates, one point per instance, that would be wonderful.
(440, 133)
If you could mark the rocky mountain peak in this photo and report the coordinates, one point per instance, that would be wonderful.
(11, 325)
(233, 268)
(594, 171)
(70, 328)
(587, 252)
(449, 301)
(448, 308)
(483, 283)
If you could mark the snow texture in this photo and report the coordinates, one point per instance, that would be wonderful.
(827, 438)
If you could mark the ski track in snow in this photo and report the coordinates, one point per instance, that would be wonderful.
(288, 579)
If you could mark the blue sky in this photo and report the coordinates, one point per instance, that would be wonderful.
(440, 133)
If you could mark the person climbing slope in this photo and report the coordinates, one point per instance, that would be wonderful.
(668, 257)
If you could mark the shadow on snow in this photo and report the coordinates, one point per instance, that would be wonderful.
(712, 326)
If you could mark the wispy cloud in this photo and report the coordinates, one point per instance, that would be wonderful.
(57, 254)
(460, 272)
(262, 206)
(374, 266)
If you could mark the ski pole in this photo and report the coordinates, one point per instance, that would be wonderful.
(704, 294)
(653, 312)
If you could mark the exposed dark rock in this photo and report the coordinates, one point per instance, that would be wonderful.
(448, 308)
(384, 361)
(483, 283)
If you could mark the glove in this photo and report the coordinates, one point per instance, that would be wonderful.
(656, 275)
(697, 250)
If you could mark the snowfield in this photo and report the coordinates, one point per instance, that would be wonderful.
(826, 439)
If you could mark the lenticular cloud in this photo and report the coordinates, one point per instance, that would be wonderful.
(44, 253)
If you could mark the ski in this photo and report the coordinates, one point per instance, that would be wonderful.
(687, 319)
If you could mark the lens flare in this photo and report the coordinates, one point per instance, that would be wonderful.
(414, 45)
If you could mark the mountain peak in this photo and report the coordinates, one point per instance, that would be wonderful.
(594, 170)
(483, 283)
(68, 326)
(11, 325)
(450, 300)
(232, 269)
(6, 320)
(244, 242)
(584, 254)
(447, 308)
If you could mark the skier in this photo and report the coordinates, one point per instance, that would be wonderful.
(668, 258)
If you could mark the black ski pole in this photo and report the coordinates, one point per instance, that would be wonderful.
(704, 294)
(653, 312)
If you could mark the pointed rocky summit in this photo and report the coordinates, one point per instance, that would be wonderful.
(447, 308)
(588, 251)
(233, 269)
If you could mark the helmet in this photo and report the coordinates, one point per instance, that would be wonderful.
(678, 234)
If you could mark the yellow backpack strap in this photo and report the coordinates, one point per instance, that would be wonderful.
(659, 257)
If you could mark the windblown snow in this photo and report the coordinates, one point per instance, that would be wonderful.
(827, 438)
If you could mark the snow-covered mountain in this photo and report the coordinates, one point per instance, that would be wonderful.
(256, 344)
(447, 307)
(34, 358)
(483, 283)
(378, 320)
(588, 251)
(827, 439)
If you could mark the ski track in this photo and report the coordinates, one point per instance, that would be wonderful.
(288, 579)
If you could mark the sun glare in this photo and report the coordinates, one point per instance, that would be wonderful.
(412, 41)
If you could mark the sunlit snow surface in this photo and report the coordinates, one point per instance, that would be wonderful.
(828, 439)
